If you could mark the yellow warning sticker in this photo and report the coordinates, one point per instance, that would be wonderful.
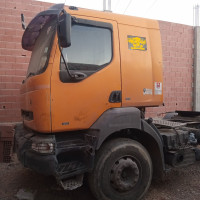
(137, 43)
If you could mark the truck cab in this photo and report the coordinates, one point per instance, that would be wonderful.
(90, 77)
(109, 64)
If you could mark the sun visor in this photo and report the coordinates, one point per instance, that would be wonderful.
(35, 26)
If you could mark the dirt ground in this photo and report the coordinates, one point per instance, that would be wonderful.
(183, 183)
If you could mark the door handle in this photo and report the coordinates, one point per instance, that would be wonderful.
(115, 97)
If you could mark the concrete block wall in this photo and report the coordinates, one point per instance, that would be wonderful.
(196, 98)
(177, 43)
(177, 48)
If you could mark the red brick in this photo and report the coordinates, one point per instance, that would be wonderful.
(38, 3)
(2, 45)
(10, 72)
(16, 91)
(20, 66)
(20, 72)
(10, 18)
(18, 45)
(6, 106)
(10, 32)
(2, 4)
(12, 25)
(10, 85)
(2, 31)
(18, 79)
(19, 33)
(34, 8)
(10, 45)
(2, 85)
(11, 98)
(5, 92)
(5, 65)
(10, 59)
(5, 79)
(2, 58)
(5, 11)
(21, 59)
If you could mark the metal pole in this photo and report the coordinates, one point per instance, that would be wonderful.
(193, 16)
(104, 5)
(196, 14)
(109, 5)
(196, 72)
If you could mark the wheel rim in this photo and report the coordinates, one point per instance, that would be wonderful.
(124, 174)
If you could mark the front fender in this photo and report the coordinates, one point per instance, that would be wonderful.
(114, 120)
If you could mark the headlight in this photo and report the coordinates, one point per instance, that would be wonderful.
(43, 147)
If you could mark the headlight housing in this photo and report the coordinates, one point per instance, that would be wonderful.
(43, 147)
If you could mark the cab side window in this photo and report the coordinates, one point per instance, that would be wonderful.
(90, 50)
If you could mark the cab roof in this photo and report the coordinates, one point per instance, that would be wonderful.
(119, 18)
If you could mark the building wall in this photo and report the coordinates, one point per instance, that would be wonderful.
(177, 47)
(177, 43)
(13, 59)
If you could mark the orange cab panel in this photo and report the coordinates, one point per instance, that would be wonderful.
(141, 65)
(35, 102)
(35, 95)
(78, 105)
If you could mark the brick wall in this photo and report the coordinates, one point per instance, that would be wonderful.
(177, 47)
(177, 59)
(13, 59)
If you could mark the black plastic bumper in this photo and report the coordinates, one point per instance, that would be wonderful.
(73, 153)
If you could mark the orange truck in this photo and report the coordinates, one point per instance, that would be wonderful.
(90, 77)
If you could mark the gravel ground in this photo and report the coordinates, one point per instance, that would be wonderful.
(179, 184)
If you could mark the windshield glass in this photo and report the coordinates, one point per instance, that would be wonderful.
(42, 48)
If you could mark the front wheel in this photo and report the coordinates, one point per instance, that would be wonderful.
(122, 171)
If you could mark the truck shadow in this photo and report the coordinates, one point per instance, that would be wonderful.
(49, 189)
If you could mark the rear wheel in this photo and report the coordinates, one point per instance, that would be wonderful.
(123, 170)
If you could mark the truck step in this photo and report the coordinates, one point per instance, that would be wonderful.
(71, 184)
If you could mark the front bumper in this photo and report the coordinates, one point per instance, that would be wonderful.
(73, 154)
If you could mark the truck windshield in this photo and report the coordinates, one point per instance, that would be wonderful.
(42, 48)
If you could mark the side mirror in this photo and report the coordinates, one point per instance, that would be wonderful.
(64, 29)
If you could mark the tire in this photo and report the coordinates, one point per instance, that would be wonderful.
(122, 171)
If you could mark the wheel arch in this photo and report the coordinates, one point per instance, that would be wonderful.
(127, 123)
(149, 142)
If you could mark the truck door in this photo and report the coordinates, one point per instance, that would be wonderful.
(94, 51)
(136, 64)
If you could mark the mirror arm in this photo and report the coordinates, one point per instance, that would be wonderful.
(64, 39)
(66, 65)
(23, 21)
